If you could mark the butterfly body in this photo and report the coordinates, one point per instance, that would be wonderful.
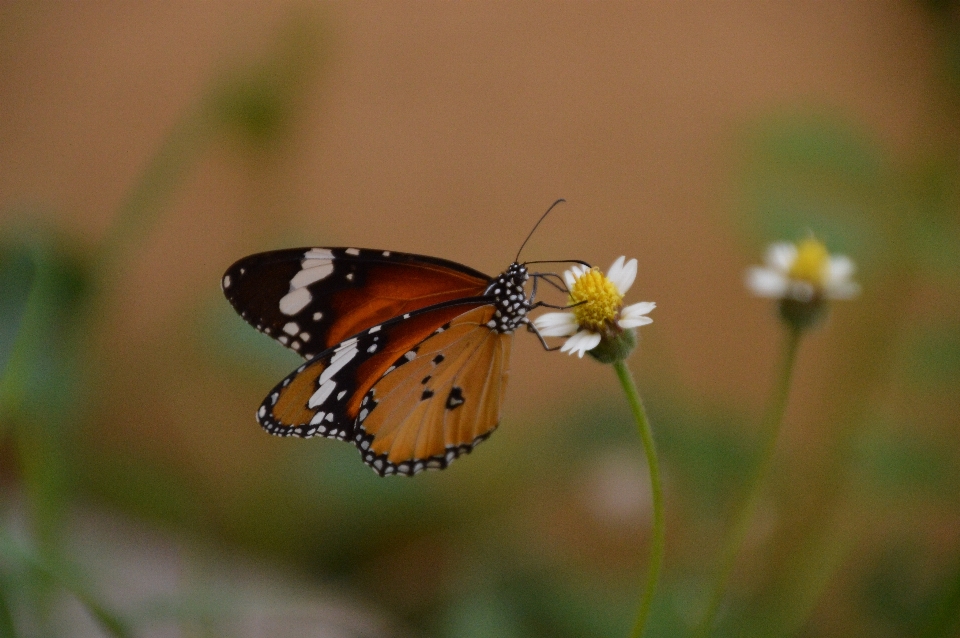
(407, 355)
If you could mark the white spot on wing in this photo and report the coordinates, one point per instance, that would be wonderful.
(317, 418)
(317, 316)
(295, 301)
(345, 345)
(352, 251)
(226, 281)
(340, 359)
(318, 253)
(313, 270)
(373, 329)
(321, 394)
(291, 328)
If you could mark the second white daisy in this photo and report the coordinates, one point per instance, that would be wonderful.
(804, 272)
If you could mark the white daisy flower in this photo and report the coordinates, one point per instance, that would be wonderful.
(597, 311)
(803, 272)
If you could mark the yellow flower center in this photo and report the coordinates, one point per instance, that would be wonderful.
(811, 262)
(596, 300)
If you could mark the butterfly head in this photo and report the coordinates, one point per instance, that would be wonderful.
(510, 298)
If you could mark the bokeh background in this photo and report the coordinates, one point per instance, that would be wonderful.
(146, 146)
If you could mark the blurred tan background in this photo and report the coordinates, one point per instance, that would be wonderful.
(185, 135)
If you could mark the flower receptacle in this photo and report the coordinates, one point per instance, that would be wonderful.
(615, 346)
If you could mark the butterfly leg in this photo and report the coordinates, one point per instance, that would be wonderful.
(544, 304)
(546, 276)
(532, 328)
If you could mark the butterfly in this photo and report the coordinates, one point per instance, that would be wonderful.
(407, 356)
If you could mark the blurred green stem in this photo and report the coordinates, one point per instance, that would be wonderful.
(650, 449)
(29, 338)
(741, 525)
(36, 446)
(7, 628)
(151, 194)
(67, 576)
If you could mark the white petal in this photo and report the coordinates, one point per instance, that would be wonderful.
(615, 268)
(765, 282)
(622, 275)
(839, 269)
(575, 272)
(637, 309)
(842, 290)
(633, 315)
(556, 324)
(634, 323)
(781, 255)
(581, 342)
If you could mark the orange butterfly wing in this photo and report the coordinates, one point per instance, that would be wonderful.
(322, 397)
(439, 403)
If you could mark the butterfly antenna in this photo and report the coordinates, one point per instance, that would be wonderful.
(542, 217)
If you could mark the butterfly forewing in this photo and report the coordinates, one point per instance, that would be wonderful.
(310, 299)
(438, 403)
(323, 396)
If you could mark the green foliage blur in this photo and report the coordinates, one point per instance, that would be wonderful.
(452, 554)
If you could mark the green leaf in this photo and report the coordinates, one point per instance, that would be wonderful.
(17, 272)
(258, 102)
(933, 357)
(8, 628)
(895, 465)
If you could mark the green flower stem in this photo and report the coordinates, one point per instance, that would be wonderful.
(650, 449)
(29, 338)
(741, 525)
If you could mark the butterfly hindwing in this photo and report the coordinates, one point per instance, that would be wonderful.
(323, 396)
(310, 299)
(438, 401)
